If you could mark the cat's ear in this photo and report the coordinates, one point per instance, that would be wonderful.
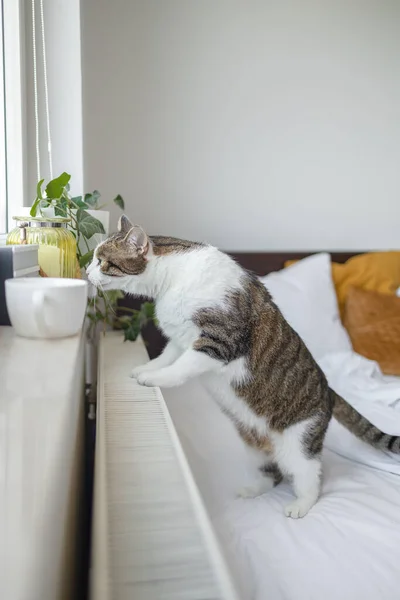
(134, 235)
(124, 224)
(137, 237)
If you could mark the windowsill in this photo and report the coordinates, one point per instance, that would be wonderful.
(41, 424)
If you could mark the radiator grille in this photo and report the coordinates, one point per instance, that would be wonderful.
(151, 536)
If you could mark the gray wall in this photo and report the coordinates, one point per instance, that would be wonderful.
(252, 124)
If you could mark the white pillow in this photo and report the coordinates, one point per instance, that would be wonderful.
(306, 296)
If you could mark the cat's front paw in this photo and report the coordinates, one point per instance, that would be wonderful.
(160, 378)
(138, 371)
(147, 378)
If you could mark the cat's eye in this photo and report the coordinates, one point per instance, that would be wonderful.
(112, 266)
(106, 265)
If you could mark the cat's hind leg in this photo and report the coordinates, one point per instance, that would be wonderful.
(269, 477)
(293, 455)
(271, 470)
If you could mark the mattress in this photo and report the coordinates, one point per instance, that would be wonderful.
(347, 547)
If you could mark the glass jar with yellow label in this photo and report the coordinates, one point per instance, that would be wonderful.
(57, 245)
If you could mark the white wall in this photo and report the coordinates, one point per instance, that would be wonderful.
(63, 50)
(253, 124)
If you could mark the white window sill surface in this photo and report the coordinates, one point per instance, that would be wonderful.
(41, 456)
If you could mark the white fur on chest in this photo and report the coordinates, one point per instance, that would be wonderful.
(220, 388)
(175, 319)
(197, 279)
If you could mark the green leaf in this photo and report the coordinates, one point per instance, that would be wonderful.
(77, 200)
(88, 225)
(55, 187)
(132, 325)
(86, 259)
(124, 321)
(39, 190)
(60, 209)
(112, 296)
(119, 201)
(132, 332)
(95, 316)
(34, 208)
(148, 309)
(92, 199)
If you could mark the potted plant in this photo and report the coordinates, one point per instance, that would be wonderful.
(89, 225)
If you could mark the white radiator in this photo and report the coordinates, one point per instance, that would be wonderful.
(152, 539)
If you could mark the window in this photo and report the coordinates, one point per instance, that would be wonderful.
(3, 174)
(11, 140)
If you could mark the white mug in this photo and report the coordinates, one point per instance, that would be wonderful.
(46, 307)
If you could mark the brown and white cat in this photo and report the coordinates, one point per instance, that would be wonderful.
(223, 325)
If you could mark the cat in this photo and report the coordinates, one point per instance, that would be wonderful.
(222, 324)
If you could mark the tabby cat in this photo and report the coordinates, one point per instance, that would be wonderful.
(223, 325)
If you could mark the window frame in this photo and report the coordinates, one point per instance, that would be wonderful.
(12, 181)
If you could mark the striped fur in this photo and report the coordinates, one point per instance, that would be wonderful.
(272, 470)
(163, 245)
(362, 428)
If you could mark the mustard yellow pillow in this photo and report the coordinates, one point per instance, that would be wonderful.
(373, 323)
(375, 271)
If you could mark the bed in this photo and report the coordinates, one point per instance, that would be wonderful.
(348, 545)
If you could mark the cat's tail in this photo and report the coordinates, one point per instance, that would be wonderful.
(362, 428)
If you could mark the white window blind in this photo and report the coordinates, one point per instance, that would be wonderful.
(3, 173)
(11, 126)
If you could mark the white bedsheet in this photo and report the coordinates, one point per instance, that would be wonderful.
(361, 383)
(348, 546)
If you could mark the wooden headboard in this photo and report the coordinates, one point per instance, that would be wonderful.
(261, 263)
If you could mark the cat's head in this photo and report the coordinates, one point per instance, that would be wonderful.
(120, 257)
